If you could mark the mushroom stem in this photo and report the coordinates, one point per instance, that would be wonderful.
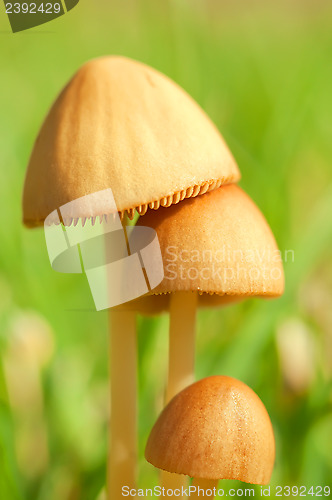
(204, 488)
(182, 334)
(122, 461)
(172, 481)
(181, 364)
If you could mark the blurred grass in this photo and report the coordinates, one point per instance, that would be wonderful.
(263, 73)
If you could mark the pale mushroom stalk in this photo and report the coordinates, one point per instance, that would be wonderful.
(202, 487)
(181, 364)
(172, 481)
(122, 460)
(182, 333)
(123, 449)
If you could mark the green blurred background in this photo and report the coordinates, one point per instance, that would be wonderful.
(263, 72)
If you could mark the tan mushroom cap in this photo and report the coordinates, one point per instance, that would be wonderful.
(218, 244)
(122, 125)
(217, 428)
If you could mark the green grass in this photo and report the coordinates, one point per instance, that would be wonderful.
(264, 75)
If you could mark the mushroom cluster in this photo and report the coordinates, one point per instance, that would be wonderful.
(120, 124)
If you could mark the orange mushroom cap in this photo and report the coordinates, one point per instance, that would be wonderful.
(218, 245)
(122, 125)
(217, 428)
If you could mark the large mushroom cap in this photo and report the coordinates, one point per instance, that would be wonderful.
(120, 124)
(219, 245)
(217, 428)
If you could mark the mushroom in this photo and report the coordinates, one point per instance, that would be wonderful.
(121, 125)
(217, 428)
(216, 249)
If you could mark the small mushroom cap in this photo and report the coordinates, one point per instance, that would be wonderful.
(219, 245)
(122, 125)
(217, 428)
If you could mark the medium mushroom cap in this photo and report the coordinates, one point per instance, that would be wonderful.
(122, 125)
(219, 245)
(217, 428)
